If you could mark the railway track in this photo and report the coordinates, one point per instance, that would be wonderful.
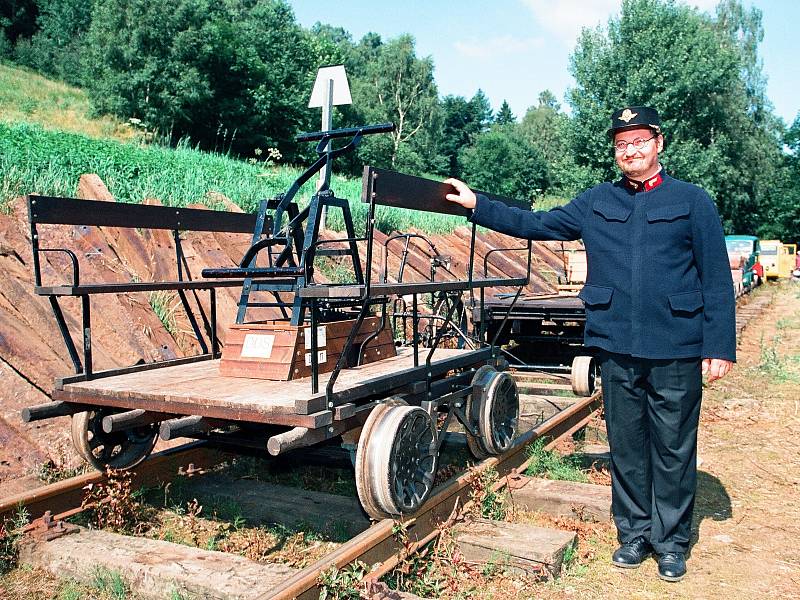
(748, 308)
(63, 499)
(377, 546)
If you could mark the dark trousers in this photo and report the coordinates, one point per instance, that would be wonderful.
(652, 408)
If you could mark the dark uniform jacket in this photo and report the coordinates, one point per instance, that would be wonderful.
(659, 284)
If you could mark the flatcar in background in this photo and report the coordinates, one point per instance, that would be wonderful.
(743, 257)
(778, 259)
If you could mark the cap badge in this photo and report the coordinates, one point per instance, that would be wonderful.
(627, 115)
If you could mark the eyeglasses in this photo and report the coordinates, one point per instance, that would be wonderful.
(638, 143)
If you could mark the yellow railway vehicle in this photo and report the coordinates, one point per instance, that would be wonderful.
(770, 251)
(787, 260)
(778, 259)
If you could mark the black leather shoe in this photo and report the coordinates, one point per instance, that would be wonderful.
(672, 566)
(631, 554)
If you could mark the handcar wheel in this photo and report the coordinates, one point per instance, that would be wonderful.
(494, 410)
(364, 486)
(396, 460)
(584, 375)
(118, 450)
(473, 412)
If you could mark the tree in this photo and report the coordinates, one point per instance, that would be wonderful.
(501, 162)
(782, 215)
(231, 76)
(546, 129)
(18, 19)
(457, 118)
(56, 49)
(392, 84)
(480, 114)
(463, 121)
(700, 74)
(504, 115)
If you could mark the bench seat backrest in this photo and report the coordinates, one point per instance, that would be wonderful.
(73, 211)
(389, 188)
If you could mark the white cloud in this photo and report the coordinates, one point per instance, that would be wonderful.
(496, 47)
(566, 18)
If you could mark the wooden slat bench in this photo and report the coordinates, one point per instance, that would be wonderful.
(56, 211)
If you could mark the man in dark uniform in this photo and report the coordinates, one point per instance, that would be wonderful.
(659, 314)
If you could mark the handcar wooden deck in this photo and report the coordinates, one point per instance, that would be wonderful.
(199, 389)
(327, 367)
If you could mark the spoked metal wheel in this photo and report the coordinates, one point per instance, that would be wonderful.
(396, 460)
(584, 375)
(118, 450)
(494, 410)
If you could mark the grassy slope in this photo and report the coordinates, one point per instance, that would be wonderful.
(28, 97)
(48, 138)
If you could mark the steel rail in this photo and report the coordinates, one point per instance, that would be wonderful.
(378, 546)
(64, 498)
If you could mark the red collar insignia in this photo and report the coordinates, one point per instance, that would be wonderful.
(653, 182)
(638, 186)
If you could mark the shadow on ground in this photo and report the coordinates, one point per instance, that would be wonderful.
(712, 502)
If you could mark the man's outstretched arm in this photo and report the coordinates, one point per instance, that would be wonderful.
(561, 223)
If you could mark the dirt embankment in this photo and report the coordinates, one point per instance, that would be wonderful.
(125, 329)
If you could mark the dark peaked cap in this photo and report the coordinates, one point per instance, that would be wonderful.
(634, 116)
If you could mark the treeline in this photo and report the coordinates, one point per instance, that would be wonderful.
(235, 76)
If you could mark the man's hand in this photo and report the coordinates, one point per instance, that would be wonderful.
(465, 197)
(716, 368)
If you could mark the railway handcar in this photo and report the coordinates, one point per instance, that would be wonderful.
(782, 262)
(327, 368)
(769, 258)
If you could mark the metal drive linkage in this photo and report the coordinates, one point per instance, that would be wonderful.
(291, 246)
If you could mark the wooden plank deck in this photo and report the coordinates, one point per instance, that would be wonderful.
(199, 389)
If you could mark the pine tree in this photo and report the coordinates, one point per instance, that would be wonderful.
(504, 115)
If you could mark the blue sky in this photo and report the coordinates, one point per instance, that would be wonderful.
(514, 49)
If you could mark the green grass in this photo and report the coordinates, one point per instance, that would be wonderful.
(165, 305)
(546, 463)
(774, 363)
(10, 536)
(548, 202)
(110, 583)
(71, 591)
(28, 97)
(34, 160)
(343, 584)
(175, 594)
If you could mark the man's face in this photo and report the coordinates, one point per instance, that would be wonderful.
(638, 163)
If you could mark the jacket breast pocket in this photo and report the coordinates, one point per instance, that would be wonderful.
(668, 214)
(687, 317)
(612, 212)
(599, 316)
